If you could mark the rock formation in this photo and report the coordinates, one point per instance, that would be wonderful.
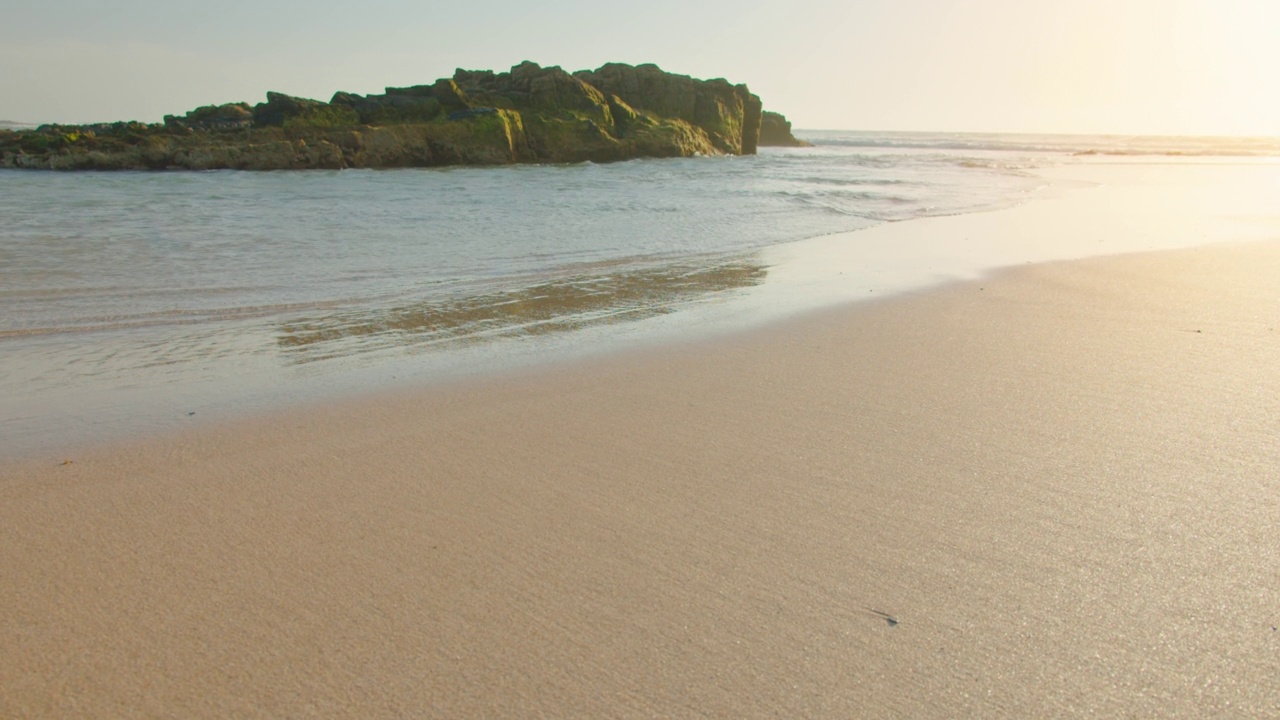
(530, 114)
(729, 114)
(214, 117)
(775, 131)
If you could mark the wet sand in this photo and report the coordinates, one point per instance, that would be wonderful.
(1054, 491)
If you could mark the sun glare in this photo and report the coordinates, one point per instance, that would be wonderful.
(1228, 66)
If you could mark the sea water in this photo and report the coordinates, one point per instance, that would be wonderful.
(129, 301)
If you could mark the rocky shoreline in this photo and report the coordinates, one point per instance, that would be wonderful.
(528, 115)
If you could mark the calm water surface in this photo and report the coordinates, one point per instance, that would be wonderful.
(129, 299)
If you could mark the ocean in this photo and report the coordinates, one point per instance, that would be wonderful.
(130, 302)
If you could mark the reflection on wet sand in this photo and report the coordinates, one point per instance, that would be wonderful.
(567, 303)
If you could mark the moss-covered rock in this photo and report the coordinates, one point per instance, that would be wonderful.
(729, 114)
(231, 116)
(775, 131)
(282, 110)
(451, 97)
(529, 114)
(399, 106)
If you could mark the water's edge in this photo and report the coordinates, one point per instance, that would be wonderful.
(1141, 205)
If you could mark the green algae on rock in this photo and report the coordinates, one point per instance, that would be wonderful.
(531, 114)
(775, 131)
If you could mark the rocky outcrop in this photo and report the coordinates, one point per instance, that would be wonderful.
(775, 131)
(397, 107)
(729, 114)
(529, 114)
(232, 116)
(282, 110)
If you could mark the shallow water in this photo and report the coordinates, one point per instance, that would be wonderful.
(127, 297)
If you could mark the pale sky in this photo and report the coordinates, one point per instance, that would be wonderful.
(1120, 66)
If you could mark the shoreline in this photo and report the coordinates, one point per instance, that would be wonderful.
(1057, 483)
(1105, 207)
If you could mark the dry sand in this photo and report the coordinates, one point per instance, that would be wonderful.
(1055, 491)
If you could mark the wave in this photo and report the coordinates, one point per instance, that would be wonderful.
(617, 294)
(852, 182)
(1128, 145)
(981, 164)
(165, 318)
(930, 144)
(1207, 152)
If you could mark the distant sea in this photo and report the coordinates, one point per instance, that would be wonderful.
(129, 298)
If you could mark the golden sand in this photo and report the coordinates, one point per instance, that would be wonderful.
(1055, 491)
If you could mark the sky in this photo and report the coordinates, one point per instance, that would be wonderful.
(1088, 66)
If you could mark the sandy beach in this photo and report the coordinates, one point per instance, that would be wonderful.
(1050, 492)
